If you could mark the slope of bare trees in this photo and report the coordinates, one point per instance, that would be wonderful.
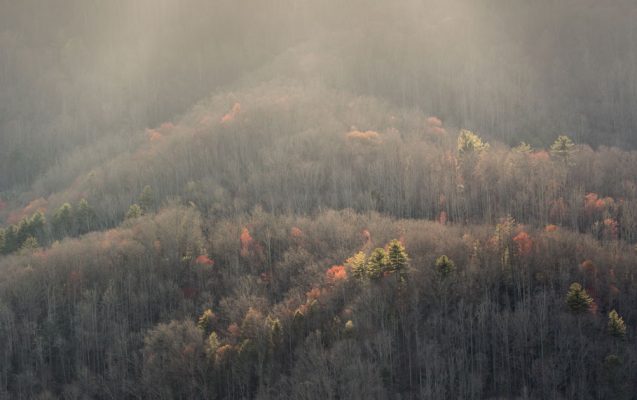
(173, 305)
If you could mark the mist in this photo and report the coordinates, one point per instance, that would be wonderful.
(75, 72)
(374, 199)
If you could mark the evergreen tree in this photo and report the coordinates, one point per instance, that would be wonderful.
(37, 224)
(523, 148)
(206, 320)
(2, 240)
(577, 299)
(357, 264)
(444, 266)
(85, 217)
(212, 345)
(298, 325)
(63, 221)
(23, 231)
(147, 199)
(275, 333)
(29, 244)
(469, 142)
(398, 258)
(562, 148)
(10, 239)
(377, 263)
(616, 325)
(134, 211)
(349, 329)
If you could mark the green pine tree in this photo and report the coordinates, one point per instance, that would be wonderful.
(10, 239)
(38, 222)
(349, 328)
(577, 299)
(358, 265)
(563, 148)
(469, 142)
(398, 258)
(444, 266)
(377, 263)
(23, 231)
(205, 321)
(212, 345)
(523, 148)
(275, 334)
(134, 211)
(616, 325)
(29, 245)
(85, 217)
(63, 221)
(147, 199)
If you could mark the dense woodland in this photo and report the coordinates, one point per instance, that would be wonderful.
(318, 200)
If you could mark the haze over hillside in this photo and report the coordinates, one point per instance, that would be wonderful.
(74, 71)
(362, 199)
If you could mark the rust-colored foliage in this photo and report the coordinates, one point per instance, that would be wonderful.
(551, 228)
(39, 204)
(611, 228)
(593, 203)
(363, 136)
(296, 232)
(588, 268)
(590, 203)
(246, 242)
(336, 273)
(204, 260)
(223, 353)
(434, 127)
(524, 243)
(155, 136)
(539, 157)
(434, 121)
(605, 203)
(232, 114)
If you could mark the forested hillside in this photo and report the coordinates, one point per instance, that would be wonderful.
(73, 71)
(318, 200)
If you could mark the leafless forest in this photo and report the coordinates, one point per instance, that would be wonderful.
(297, 199)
